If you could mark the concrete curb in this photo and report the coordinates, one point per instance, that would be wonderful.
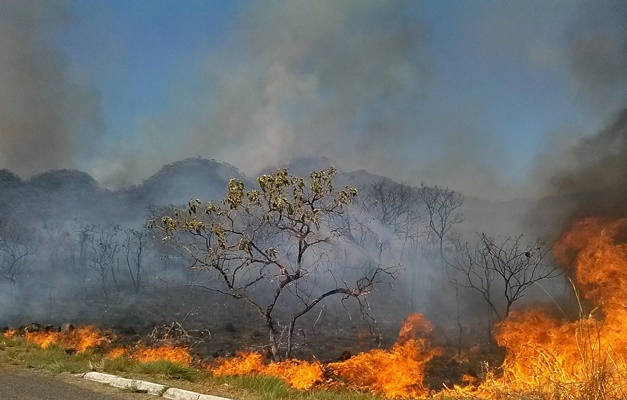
(154, 389)
(180, 394)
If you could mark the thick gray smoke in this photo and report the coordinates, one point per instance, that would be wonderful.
(587, 175)
(43, 111)
(597, 55)
(595, 182)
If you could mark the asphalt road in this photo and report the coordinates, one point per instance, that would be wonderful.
(18, 383)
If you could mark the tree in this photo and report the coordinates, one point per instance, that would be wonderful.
(394, 205)
(135, 242)
(442, 206)
(508, 267)
(102, 250)
(84, 232)
(17, 249)
(272, 247)
(389, 220)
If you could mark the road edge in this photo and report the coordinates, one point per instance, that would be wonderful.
(151, 388)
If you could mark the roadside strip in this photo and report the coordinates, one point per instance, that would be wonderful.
(148, 387)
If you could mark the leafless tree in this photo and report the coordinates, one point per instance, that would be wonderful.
(443, 214)
(508, 267)
(395, 206)
(102, 250)
(83, 234)
(135, 242)
(267, 243)
(442, 205)
(17, 249)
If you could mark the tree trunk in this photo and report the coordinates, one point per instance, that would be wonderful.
(104, 289)
(274, 348)
(290, 337)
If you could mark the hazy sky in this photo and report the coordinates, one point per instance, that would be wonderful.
(469, 94)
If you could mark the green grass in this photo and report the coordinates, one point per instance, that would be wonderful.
(268, 388)
(116, 365)
(52, 358)
(167, 369)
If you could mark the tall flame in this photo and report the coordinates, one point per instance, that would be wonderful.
(586, 357)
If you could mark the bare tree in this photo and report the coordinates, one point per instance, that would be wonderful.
(102, 250)
(394, 205)
(17, 249)
(508, 267)
(443, 214)
(442, 205)
(83, 234)
(271, 247)
(135, 242)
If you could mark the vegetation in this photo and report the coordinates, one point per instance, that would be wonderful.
(509, 267)
(265, 244)
(55, 359)
(306, 254)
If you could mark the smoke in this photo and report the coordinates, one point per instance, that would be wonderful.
(594, 173)
(42, 110)
(358, 82)
(295, 79)
(597, 55)
(587, 175)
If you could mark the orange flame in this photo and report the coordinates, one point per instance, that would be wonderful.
(178, 355)
(80, 339)
(397, 373)
(142, 353)
(88, 337)
(586, 357)
(10, 334)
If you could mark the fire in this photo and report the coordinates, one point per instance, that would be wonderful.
(80, 339)
(117, 353)
(586, 357)
(395, 373)
(83, 338)
(242, 364)
(10, 334)
(549, 356)
(299, 374)
(142, 353)
(416, 326)
(178, 355)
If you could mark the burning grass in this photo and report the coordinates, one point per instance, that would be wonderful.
(581, 359)
(145, 354)
(394, 373)
(79, 339)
